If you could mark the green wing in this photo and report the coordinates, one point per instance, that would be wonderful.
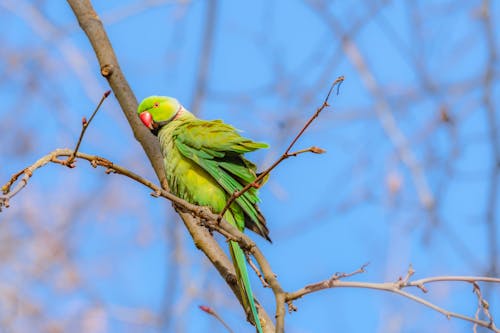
(218, 148)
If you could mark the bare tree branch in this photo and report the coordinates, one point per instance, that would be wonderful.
(224, 267)
(110, 69)
(260, 178)
(213, 313)
(396, 287)
(92, 26)
(201, 221)
(85, 125)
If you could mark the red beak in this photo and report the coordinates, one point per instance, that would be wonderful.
(146, 119)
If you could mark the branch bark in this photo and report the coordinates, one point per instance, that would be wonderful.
(92, 26)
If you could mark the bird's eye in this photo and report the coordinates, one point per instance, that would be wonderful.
(156, 105)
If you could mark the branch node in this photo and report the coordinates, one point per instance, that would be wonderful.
(156, 194)
(110, 170)
(107, 70)
(85, 124)
(422, 287)
(291, 307)
(5, 203)
(409, 274)
(256, 270)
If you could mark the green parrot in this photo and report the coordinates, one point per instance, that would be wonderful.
(204, 165)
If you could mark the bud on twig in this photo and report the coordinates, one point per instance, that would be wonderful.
(317, 150)
(206, 309)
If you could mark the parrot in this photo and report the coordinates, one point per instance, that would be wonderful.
(204, 165)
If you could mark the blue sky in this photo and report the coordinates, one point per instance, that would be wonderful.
(271, 65)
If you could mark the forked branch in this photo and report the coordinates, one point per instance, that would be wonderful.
(259, 180)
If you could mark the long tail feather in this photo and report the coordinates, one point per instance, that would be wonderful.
(240, 266)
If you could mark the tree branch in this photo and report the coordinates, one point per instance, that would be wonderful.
(201, 235)
(396, 287)
(85, 125)
(92, 26)
(260, 178)
(213, 313)
(221, 262)
(110, 69)
(200, 220)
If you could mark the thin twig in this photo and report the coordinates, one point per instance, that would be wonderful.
(8, 193)
(258, 180)
(256, 270)
(329, 283)
(90, 23)
(325, 104)
(110, 167)
(186, 210)
(456, 278)
(396, 287)
(85, 125)
(482, 303)
(212, 312)
(282, 297)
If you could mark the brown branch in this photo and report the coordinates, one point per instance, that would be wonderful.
(221, 262)
(85, 125)
(482, 304)
(258, 181)
(92, 26)
(212, 312)
(269, 276)
(9, 193)
(214, 222)
(256, 270)
(326, 284)
(396, 287)
(201, 235)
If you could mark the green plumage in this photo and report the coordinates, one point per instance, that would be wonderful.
(204, 165)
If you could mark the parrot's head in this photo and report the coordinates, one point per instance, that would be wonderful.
(156, 111)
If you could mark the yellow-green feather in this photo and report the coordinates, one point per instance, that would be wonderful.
(204, 165)
(239, 261)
